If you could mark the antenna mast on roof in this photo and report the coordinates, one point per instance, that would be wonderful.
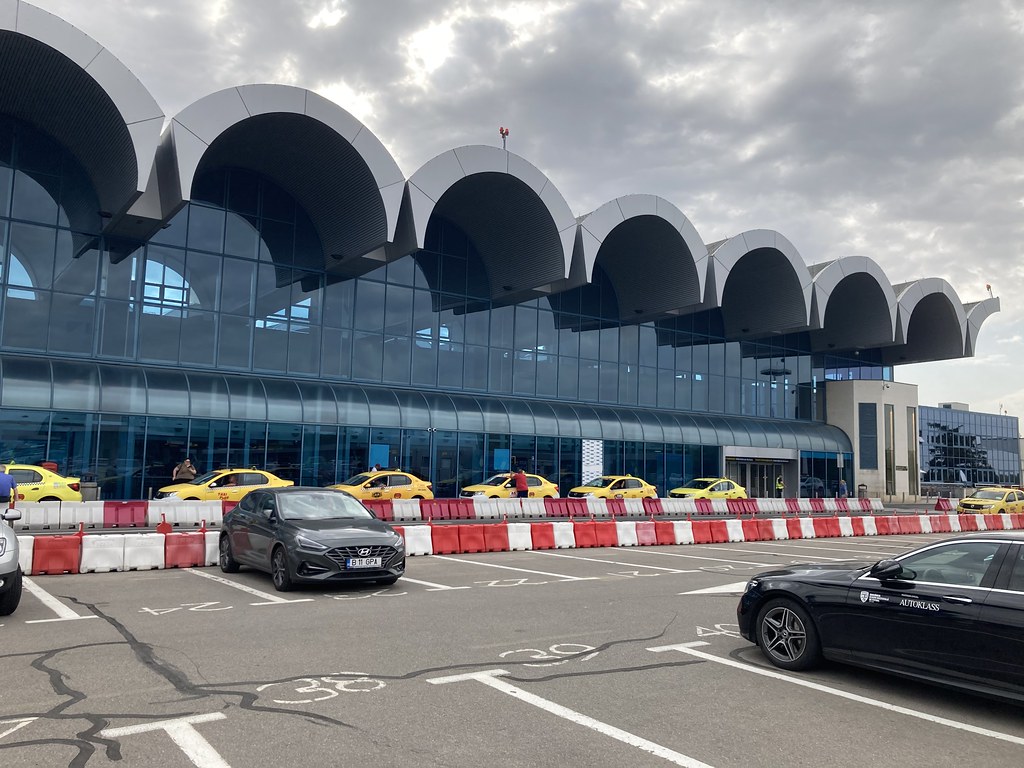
(503, 132)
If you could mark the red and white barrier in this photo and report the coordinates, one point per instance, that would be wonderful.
(102, 554)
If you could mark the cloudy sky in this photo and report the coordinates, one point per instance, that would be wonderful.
(893, 130)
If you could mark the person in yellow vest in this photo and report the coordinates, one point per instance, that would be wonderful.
(780, 488)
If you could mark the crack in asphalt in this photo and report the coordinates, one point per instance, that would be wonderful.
(88, 740)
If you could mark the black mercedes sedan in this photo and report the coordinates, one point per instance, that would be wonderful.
(310, 535)
(950, 613)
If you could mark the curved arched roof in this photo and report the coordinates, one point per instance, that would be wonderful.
(858, 298)
(977, 313)
(931, 323)
(72, 88)
(334, 167)
(516, 218)
(761, 283)
(637, 237)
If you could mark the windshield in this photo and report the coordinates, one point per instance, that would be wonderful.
(996, 495)
(700, 485)
(320, 505)
(357, 479)
(204, 479)
(496, 480)
(600, 482)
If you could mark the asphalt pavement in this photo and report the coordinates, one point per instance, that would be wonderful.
(598, 657)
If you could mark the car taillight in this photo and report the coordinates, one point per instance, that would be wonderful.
(73, 486)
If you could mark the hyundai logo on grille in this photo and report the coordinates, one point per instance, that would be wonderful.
(364, 551)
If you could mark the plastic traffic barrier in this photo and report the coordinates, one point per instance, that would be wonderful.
(780, 529)
(532, 508)
(564, 533)
(381, 508)
(185, 550)
(794, 528)
(444, 539)
(144, 552)
(646, 535)
(599, 507)
(471, 537)
(496, 537)
(653, 507)
(212, 547)
(845, 526)
(26, 545)
(734, 530)
(485, 509)
(402, 509)
(124, 514)
(418, 539)
(38, 516)
(542, 535)
(634, 507)
(909, 524)
(520, 536)
(665, 530)
(752, 529)
(719, 531)
(57, 554)
(86, 513)
(606, 533)
(625, 533)
(942, 504)
(102, 554)
(857, 526)
(585, 533)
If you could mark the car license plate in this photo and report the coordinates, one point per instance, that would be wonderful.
(363, 562)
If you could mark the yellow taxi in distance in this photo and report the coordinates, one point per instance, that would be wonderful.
(385, 484)
(988, 501)
(502, 485)
(39, 484)
(223, 485)
(709, 488)
(616, 487)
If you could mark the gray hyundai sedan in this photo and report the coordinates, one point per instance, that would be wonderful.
(310, 535)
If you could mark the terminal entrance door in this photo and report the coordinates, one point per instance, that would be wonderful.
(758, 477)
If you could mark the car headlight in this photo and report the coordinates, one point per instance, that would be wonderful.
(305, 543)
(3, 546)
(752, 584)
(479, 493)
(400, 544)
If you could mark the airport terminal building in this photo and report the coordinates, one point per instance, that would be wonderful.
(254, 281)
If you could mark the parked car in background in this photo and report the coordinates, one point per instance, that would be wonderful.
(949, 612)
(10, 568)
(386, 484)
(812, 487)
(992, 501)
(615, 487)
(37, 483)
(223, 484)
(709, 488)
(310, 535)
(502, 485)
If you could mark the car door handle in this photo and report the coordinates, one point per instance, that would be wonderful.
(957, 599)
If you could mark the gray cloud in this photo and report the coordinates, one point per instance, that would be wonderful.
(892, 130)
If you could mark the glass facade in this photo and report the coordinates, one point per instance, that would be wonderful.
(966, 448)
(226, 336)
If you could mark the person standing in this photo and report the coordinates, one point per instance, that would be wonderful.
(843, 492)
(8, 487)
(780, 488)
(184, 472)
(522, 486)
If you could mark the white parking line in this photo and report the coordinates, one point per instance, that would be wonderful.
(521, 570)
(432, 586)
(658, 552)
(690, 649)
(489, 677)
(63, 612)
(610, 562)
(270, 599)
(780, 554)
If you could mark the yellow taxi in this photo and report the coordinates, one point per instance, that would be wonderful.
(223, 485)
(386, 484)
(709, 488)
(616, 487)
(502, 485)
(40, 484)
(987, 501)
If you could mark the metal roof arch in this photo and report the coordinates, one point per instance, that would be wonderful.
(337, 170)
(855, 294)
(635, 236)
(761, 283)
(516, 218)
(977, 313)
(66, 84)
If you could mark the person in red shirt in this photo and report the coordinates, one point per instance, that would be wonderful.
(522, 489)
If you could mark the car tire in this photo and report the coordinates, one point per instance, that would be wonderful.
(279, 572)
(787, 635)
(387, 581)
(10, 599)
(227, 562)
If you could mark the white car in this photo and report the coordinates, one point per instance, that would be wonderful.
(10, 569)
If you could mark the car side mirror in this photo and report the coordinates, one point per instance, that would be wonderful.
(886, 570)
(12, 514)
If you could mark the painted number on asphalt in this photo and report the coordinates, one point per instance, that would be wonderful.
(555, 655)
(187, 607)
(312, 689)
(724, 630)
